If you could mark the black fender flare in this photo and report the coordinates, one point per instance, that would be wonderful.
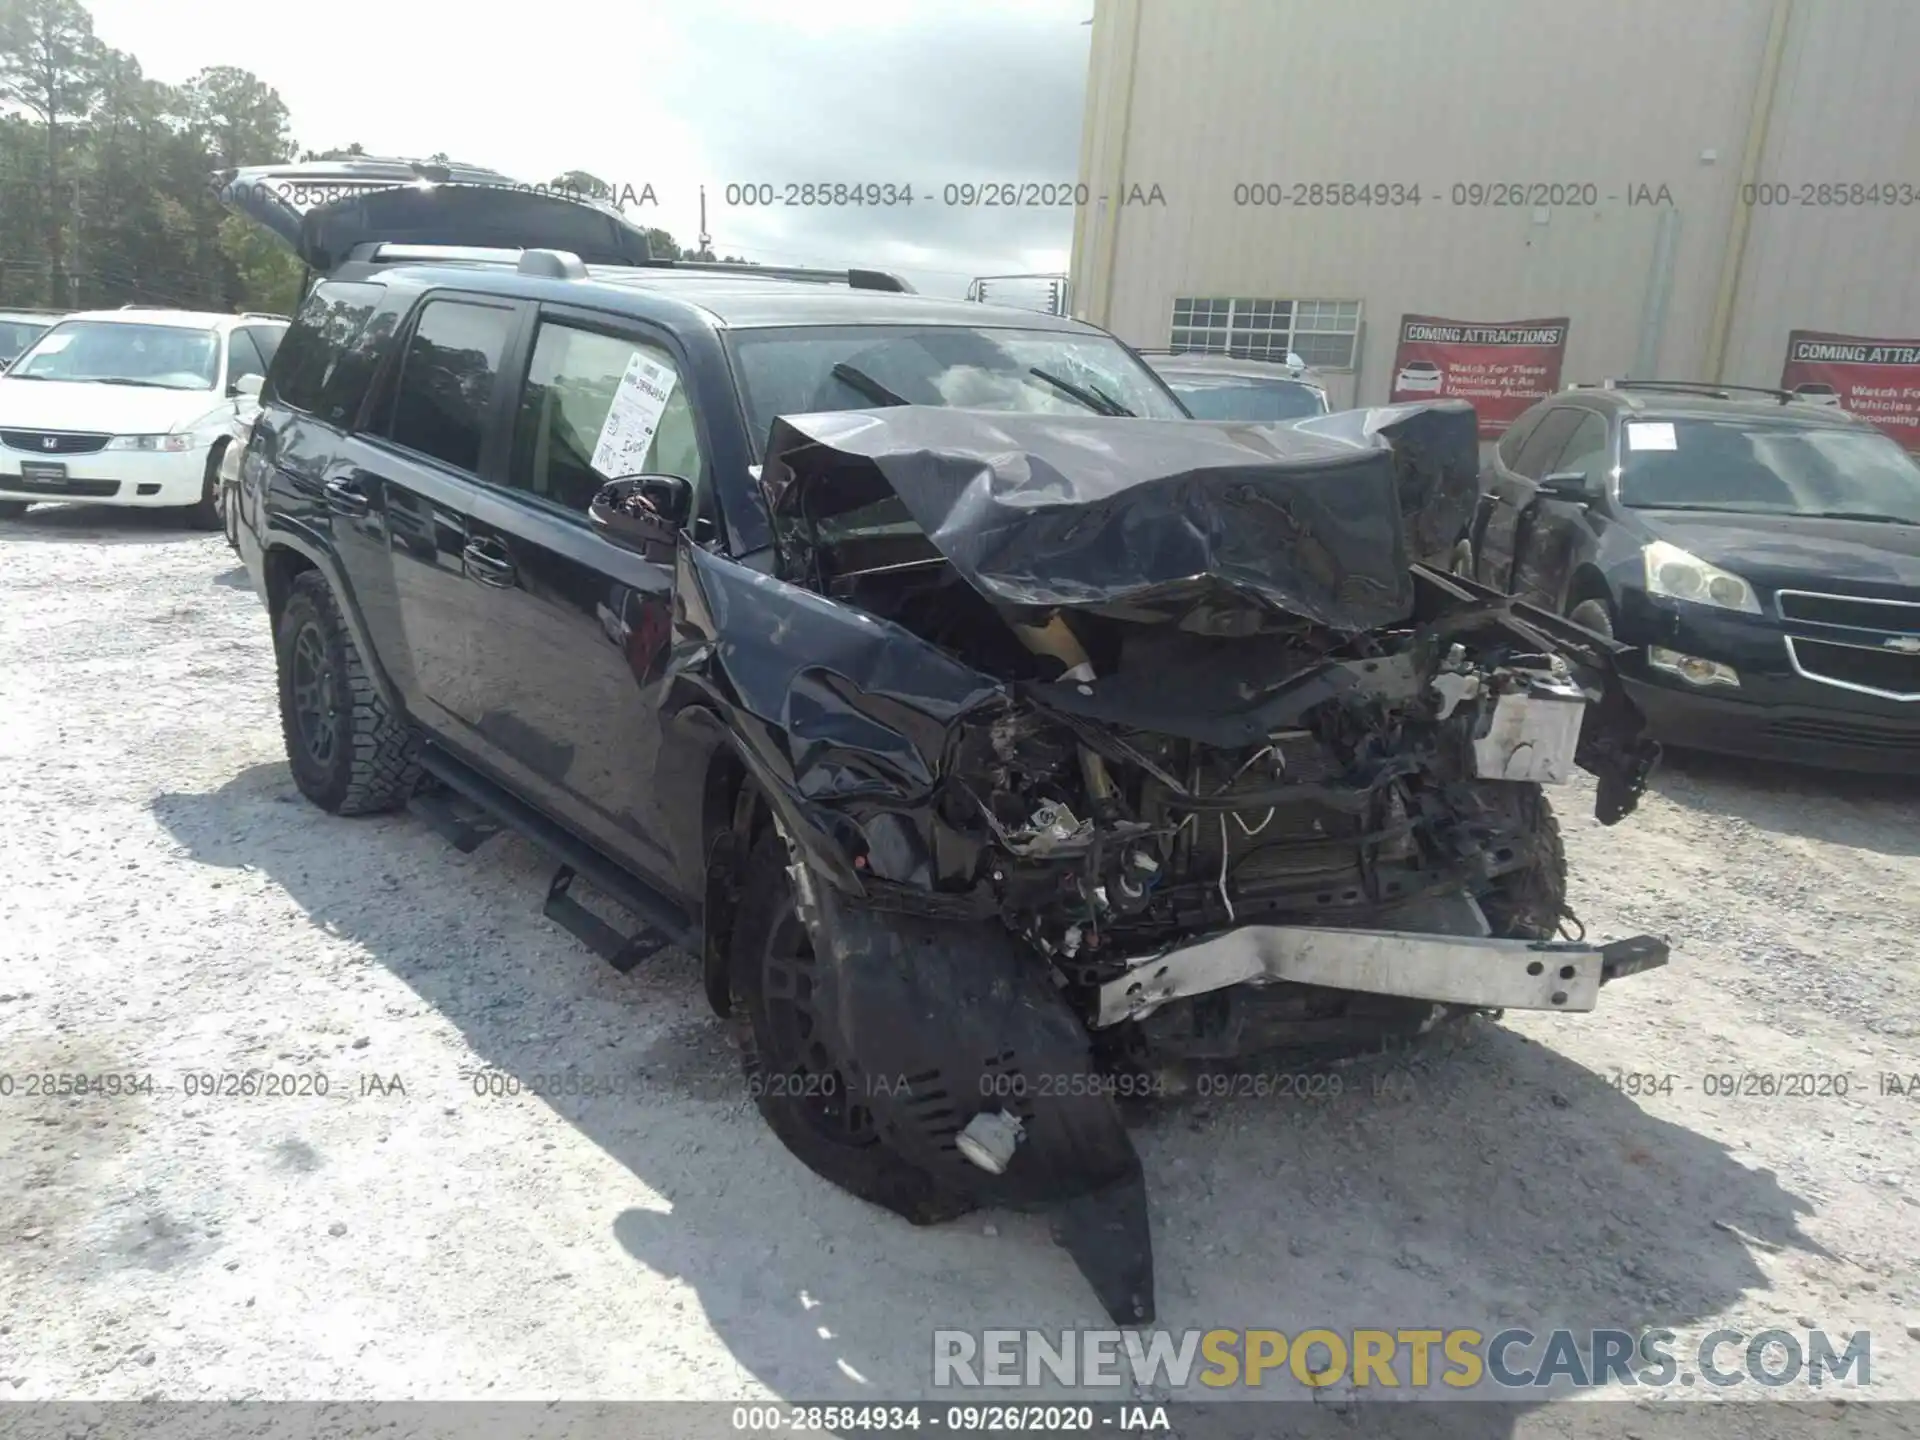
(284, 536)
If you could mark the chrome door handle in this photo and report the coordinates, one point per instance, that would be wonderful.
(483, 562)
(345, 499)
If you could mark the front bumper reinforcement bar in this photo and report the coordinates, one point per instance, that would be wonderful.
(1478, 971)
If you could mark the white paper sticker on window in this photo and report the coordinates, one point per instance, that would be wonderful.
(627, 433)
(1651, 435)
(55, 343)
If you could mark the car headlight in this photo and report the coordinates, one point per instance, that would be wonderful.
(1672, 572)
(172, 444)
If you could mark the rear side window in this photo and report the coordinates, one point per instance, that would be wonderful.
(303, 374)
(447, 380)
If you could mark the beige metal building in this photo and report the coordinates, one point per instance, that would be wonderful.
(1694, 178)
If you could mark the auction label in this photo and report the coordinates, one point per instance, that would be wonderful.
(1878, 380)
(1501, 367)
(634, 415)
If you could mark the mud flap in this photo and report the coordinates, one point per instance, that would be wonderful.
(1106, 1233)
(941, 1021)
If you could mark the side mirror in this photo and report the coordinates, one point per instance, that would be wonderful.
(642, 512)
(248, 385)
(1573, 485)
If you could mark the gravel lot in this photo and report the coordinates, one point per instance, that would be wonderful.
(173, 908)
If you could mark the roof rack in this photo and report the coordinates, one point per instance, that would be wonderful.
(565, 265)
(852, 278)
(1693, 387)
(264, 315)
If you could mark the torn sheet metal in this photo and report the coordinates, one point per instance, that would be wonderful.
(1147, 518)
(846, 720)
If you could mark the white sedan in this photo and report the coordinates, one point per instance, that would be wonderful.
(130, 407)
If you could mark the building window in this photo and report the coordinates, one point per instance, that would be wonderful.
(1321, 332)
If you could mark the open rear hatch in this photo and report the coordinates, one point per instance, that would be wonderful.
(325, 211)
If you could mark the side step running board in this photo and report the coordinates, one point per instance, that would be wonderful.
(623, 952)
(477, 808)
(465, 826)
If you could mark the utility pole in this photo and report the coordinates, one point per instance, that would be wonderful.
(706, 240)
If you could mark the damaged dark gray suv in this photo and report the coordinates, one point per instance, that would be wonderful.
(993, 732)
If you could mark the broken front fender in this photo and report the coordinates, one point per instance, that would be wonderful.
(844, 720)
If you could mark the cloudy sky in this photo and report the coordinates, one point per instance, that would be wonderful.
(915, 92)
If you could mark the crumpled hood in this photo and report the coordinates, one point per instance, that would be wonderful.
(1155, 518)
(101, 409)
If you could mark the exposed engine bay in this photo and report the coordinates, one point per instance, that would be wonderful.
(1098, 742)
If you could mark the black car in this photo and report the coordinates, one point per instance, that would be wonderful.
(1232, 387)
(1760, 556)
(987, 727)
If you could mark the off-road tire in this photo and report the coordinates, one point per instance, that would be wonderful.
(204, 514)
(1527, 902)
(13, 509)
(371, 763)
(1596, 615)
(777, 1080)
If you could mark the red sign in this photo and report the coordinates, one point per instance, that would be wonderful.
(1878, 380)
(1500, 369)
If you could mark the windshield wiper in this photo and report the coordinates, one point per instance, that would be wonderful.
(143, 384)
(1872, 515)
(1095, 400)
(867, 385)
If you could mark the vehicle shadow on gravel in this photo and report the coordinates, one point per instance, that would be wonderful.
(99, 524)
(1877, 812)
(1483, 1180)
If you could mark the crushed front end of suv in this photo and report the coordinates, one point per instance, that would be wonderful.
(1100, 742)
(997, 741)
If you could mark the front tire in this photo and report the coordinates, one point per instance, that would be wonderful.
(1595, 615)
(349, 753)
(205, 514)
(787, 1051)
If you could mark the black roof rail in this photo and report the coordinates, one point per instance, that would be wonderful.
(560, 265)
(264, 315)
(853, 278)
(1698, 387)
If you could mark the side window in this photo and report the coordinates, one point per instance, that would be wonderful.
(266, 339)
(1544, 445)
(1516, 436)
(571, 384)
(332, 318)
(243, 357)
(446, 380)
(1587, 449)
